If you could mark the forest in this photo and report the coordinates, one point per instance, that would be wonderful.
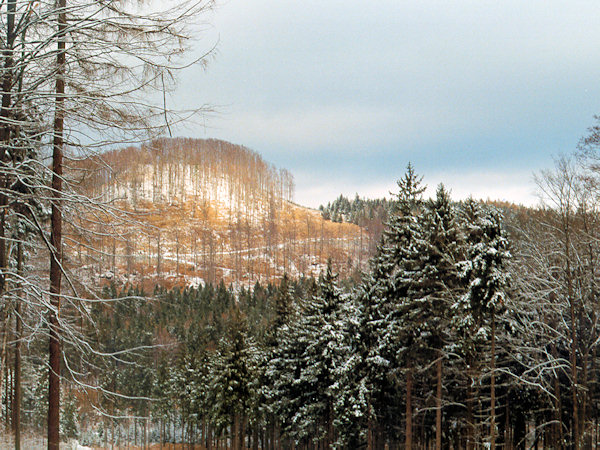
(474, 325)
(413, 322)
(202, 210)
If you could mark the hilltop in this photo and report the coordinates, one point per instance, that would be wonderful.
(188, 211)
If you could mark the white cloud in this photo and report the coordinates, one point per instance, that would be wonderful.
(515, 186)
(512, 186)
(467, 84)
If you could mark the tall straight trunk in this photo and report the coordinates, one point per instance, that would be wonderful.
(18, 333)
(573, 363)
(584, 405)
(9, 379)
(558, 429)
(5, 132)
(470, 419)
(255, 434)
(56, 236)
(3, 358)
(573, 355)
(507, 429)
(161, 437)
(369, 426)
(438, 404)
(409, 388)
(493, 386)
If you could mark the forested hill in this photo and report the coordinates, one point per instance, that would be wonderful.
(168, 171)
(188, 211)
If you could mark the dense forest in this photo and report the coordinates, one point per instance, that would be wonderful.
(474, 326)
(358, 210)
(369, 214)
(407, 323)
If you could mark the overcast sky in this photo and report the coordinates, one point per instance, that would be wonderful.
(344, 93)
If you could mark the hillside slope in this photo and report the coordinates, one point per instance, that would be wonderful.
(189, 211)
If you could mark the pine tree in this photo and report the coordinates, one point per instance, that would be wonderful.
(484, 272)
(305, 367)
(234, 369)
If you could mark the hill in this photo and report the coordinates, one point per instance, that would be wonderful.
(188, 211)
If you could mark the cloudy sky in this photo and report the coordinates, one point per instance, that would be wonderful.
(344, 93)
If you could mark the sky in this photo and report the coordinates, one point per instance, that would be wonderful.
(476, 94)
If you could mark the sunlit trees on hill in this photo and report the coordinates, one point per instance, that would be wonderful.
(206, 210)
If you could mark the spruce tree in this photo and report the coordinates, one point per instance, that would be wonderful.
(234, 369)
(378, 373)
(484, 273)
(425, 282)
(305, 367)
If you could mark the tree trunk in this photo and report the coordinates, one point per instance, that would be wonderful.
(18, 332)
(438, 404)
(255, 434)
(558, 429)
(7, 82)
(470, 419)
(574, 375)
(369, 426)
(493, 386)
(56, 238)
(409, 387)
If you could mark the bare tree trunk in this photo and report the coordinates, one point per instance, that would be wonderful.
(3, 357)
(158, 258)
(177, 252)
(573, 359)
(56, 237)
(7, 81)
(18, 333)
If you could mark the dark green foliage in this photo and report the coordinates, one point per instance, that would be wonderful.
(359, 211)
(69, 419)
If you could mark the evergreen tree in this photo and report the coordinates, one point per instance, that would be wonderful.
(306, 366)
(69, 420)
(484, 272)
(234, 369)
(425, 282)
(375, 370)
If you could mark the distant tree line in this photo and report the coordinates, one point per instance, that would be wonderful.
(358, 210)
(369, 214)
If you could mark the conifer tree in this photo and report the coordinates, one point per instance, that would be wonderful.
(233, 371)
(305, 367)
(379, 372)
(485, 275)
(425, 283)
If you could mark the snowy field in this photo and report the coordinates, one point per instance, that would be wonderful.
(38, 443)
